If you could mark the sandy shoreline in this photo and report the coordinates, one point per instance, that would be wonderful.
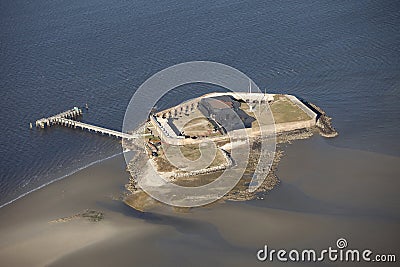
(29, 237)
(325, 193)
(58, 179)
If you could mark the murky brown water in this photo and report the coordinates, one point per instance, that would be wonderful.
(325, 193)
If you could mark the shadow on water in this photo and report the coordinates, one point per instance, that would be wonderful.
(202, 230)
(288, 197)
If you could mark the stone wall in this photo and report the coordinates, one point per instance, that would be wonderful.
(268, 129)
(303, 107)
(179, 109)
(178, 140)
(228, 163)
(290, 126)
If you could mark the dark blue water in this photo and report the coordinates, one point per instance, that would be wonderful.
(55, 54)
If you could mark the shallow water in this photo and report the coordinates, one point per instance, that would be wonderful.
(310, 209)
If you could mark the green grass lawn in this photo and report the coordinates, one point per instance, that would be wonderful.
(284, 110)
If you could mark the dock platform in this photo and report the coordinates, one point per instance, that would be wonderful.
(66, 119)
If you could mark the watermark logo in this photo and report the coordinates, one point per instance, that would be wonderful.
(334, 254)
(140, 109)
(341, 243)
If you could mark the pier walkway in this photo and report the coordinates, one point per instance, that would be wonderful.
(66, 119)
(96, 129)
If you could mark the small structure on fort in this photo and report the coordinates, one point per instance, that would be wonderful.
(219, 109)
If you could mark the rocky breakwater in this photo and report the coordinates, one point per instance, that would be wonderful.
(324, 122)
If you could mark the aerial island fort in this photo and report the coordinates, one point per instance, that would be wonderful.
(186, 126)
(215, 116)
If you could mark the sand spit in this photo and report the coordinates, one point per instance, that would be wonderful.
(90, 215)
(32, 236)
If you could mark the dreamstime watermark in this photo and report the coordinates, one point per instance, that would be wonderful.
(152, 90)
(339, 253)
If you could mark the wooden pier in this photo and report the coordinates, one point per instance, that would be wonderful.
(66, 119)
(69, 114)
